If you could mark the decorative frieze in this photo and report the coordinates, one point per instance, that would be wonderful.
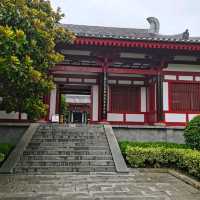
(112, 81)
(185, 78)
(75, 80)
(124, 82)
(58, 79)
(170, 77)
(138, 82)
(90, 81)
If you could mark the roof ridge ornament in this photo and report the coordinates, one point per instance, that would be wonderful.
(185, 35)
(154, 25)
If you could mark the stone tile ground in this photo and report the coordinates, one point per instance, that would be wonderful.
(110, 186)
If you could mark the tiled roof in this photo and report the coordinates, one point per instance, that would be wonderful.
(126, 33)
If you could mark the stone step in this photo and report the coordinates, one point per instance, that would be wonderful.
(65, 169)
(72, 138)
(71, 152)
(66, 144)
(66, 157)
(70, 126)
(63, 148)
(65, 134)
(68, 139)
(65, 140)
(68, 148)
(60, 127)
(74, 163)
(61, 136)
(70, 132)
(79, 129)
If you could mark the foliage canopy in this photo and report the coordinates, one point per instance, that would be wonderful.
(29, 30)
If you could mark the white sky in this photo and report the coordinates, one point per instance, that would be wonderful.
(174, 15)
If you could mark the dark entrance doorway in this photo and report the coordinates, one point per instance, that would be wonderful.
(78, 101)
(78, 117)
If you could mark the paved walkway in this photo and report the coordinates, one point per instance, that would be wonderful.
(109, 186)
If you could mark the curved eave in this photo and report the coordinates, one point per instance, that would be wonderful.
(149, 43)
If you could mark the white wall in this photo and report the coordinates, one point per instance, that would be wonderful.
(12, 115)
(134, 117)
(114, 117)
(95, 102)
(170, 77)
(108, 102)
(165, 96)
(143, 99)
(191, 116)
(185, 78)
(183, 68)
(175, 117)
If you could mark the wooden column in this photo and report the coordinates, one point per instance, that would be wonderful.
(159, 98)
(105, 95)
(160, 79)
(58, 98)
(104, 90)
(52, 107)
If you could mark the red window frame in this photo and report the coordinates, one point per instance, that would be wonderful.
(184, 97)
(125, 99)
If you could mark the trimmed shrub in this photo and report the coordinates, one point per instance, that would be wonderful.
(192, 133)
(184, 159)
(124, 144)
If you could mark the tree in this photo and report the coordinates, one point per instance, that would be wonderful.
(63, 105)
(29, 30)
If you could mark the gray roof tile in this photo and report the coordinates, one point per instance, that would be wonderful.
(125, 33)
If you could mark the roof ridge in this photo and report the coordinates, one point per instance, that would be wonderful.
(101, 26)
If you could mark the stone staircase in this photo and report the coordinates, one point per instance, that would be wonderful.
(67, 148)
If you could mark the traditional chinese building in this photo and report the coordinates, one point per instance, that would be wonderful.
(132, 76)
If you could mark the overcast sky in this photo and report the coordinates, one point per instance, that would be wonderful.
(174, 15)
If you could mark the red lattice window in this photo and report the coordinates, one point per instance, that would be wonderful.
(185, 97)
(125, 99)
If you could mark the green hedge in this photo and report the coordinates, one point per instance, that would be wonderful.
(192, 133)
(161, 154)
(6, 148)
(184, 159)
(124, 144)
